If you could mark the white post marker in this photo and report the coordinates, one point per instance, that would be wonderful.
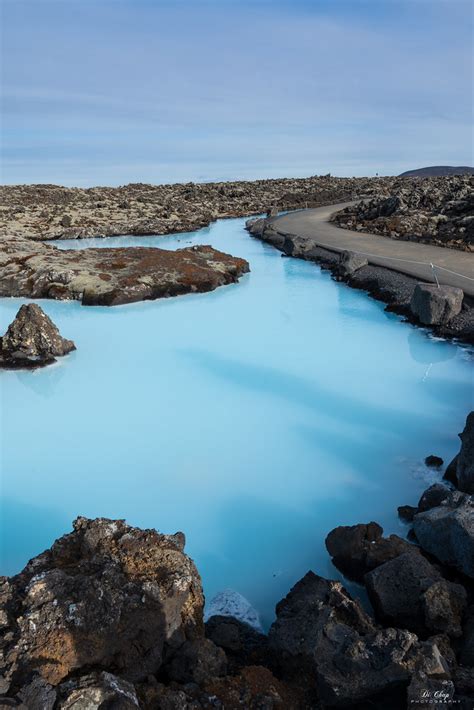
(434, 274)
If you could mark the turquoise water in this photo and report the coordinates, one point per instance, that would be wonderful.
(255, 418)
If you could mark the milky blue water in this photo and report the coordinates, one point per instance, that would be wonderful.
(255, 418)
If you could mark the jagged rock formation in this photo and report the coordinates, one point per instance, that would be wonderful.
(32, 340)
(431, 210)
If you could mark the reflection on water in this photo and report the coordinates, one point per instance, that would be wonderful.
(255, 418)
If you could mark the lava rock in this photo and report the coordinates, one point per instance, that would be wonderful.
(350, 262)
(451, 471)
(407, 512)
(358, 549)
(242, 643)
(436, 305)
(434, 461)
(97, 691)
(433, 496)
(32, 340)
(447, 532)
(409, 591)
(465, 459)
(197, 661)
(106, 595)
(444, 604)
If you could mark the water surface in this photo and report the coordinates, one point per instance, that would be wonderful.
(255, 418)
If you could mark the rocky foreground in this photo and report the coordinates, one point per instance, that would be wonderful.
(112, 617)
(437, 210)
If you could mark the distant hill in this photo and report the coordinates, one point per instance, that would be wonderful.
(438, 170)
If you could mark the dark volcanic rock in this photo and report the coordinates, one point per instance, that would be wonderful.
(357, 549)
(323, 637)
(436, 305)
(447, 532)
(434, 461)
(96, 692)
(242, 643)
(407, 512)
(106, 595)
(433, 496)
(196, 661)
(32, 340)
(465, 459)
(410, 592)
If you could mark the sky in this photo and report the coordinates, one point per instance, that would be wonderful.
(107, 92)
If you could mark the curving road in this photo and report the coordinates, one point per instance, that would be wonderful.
(392, 253)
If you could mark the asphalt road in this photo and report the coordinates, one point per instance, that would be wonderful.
(392, 253)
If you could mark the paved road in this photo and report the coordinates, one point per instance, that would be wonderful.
(383, 250)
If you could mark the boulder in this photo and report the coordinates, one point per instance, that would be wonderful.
(324, 639)
(272, 211)
(443, 604)
(358, 549)
(106, 595)
(434, 461)
(450, 472)
(256, 225)
(465, 459)
(407, 512)
(350, 262)
(436, 305)
(32, 340)
(409, 591)
(433, 496)
(97, 691)
(196, 661)
(447, 532)
(377, 667)
(242, 643)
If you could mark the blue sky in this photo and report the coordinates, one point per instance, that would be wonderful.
(115, 91)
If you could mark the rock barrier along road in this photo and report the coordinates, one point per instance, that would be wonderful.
(452, 267)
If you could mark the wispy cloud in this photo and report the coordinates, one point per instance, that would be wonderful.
(241, 89)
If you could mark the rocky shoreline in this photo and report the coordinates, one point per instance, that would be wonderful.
(33, 214)
(399, 291)
(111, 616)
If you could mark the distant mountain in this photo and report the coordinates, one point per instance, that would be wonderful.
(438, 170)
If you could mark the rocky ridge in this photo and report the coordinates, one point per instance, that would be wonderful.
(112, 617)
(436, 210)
